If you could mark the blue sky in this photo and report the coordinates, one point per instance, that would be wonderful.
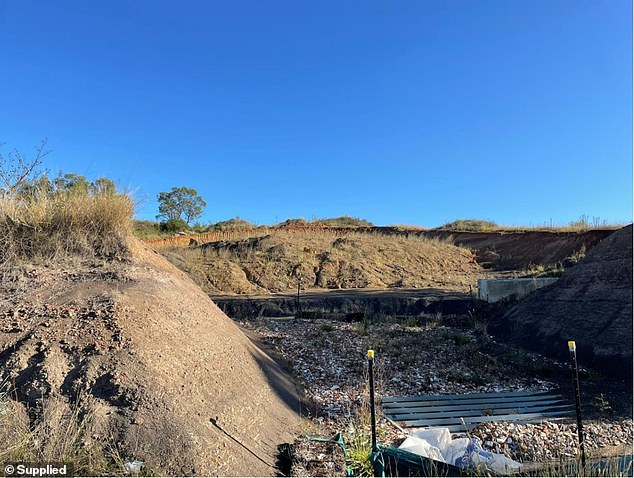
(400, 112)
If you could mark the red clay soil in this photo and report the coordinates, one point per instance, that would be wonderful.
(163, 375)
(520, 250)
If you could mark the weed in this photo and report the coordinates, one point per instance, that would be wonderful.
(601, 403)
(359, 441)
(326, 327)
(63, 433)
(461, 339)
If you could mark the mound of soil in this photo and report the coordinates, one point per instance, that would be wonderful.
(326, 260)
(591, 304)
(158, 371)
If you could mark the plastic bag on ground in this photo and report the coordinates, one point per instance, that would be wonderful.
(438, 437)
(436, 443)
(421, 447)
(475, 456)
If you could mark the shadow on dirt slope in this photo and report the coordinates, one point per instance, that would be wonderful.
(591, 304)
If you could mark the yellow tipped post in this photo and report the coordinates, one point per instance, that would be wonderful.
(572, 347)
(372, 411)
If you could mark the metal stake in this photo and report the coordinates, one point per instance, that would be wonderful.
(299, 286)
(575, 380)
(372, 411)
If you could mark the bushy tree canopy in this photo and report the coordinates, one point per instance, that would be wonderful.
(180, 203)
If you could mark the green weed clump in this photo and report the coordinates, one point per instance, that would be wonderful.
(45, 222)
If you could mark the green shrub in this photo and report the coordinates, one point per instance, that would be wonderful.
(232, 225)
(470, 225)
(147, 229)
(173, 225)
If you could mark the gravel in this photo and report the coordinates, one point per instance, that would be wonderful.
(328, 358)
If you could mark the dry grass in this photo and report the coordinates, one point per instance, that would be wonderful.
(62, 433)
(583, 224)
(326, 259)
(50, 226)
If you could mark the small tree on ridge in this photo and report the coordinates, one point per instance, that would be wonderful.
(180, 203)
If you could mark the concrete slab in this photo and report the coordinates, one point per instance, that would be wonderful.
(493, 290)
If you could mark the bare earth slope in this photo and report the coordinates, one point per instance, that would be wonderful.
(520, 250)
(326, 260)
(591, 304)
(159, 370)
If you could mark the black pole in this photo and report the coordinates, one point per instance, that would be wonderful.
(299, 285)
(372, 411)
(575, 381)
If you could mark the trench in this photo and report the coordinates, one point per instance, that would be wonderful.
(355, 305)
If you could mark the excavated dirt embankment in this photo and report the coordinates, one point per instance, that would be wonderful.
(499, 250)
(521, 250)
(281, 261)
(158, 372)
(591, 304)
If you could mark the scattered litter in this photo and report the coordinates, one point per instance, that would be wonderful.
(465, 453)
(134, 466)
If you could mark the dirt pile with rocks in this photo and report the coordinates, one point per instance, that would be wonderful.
(591, 304)
(154, 369)
(326, 260)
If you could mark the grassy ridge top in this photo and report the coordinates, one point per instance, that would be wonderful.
(153, 230)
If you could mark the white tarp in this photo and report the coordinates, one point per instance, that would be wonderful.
(436, 443)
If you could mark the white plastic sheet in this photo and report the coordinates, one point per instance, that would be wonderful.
(436, 443)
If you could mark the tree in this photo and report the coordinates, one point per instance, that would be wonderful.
(180, 203)
(17, 170)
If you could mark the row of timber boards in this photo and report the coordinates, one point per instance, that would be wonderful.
(464, 412)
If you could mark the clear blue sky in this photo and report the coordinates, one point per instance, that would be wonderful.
(400, 112)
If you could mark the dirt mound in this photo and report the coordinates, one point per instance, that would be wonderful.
(591, 304)
(326, 260)
(159, 372)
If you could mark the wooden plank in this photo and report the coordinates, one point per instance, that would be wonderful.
(477, 406)
(561, 409)
(471, 426)
(481, 419)
(416, 398)
(470, 401)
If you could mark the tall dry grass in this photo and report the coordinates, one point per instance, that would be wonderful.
(48, 226)
(64, 433)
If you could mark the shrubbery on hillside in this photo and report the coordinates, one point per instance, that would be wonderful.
(345, 221)
(472, 225)
(231, 225)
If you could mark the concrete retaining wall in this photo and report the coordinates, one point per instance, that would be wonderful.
(493, 290)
